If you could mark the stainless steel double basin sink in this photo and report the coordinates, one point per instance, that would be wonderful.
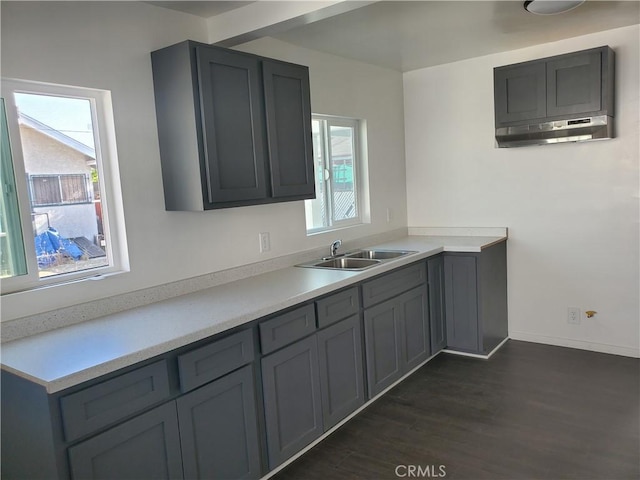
(357, 260)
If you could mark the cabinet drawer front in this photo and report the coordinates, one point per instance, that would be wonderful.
(107, 402)
(287, 328)
(215, 360)
(390, 285)
(338, 306)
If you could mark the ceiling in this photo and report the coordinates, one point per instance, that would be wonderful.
(201, 9)
(407, 35)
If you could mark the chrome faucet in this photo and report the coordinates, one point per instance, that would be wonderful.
(334, 247)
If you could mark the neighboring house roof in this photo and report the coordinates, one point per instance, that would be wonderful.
(56, 135)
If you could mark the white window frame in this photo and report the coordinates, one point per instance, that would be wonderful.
(108, 171)
(358, 172)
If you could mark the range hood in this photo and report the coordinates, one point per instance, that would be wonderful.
(573, 130)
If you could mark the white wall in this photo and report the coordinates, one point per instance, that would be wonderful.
(106, 45)
(572, 210)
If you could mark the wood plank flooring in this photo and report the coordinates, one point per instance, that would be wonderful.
(530, 412)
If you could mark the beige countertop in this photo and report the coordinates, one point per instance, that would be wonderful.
(68, 356)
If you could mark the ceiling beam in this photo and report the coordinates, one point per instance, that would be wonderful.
(265, 18)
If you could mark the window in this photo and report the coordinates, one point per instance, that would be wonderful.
(59, 189)
(63, 221)
(338, 201)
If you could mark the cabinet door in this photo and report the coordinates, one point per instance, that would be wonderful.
(519, 93)
(414, 315)
(574, 84)
(232, 117)
(288, 109)
(218, 429)
(341, 371)
(292, 401)
(435, 278)
(382, 345)
(146, 447)
(461, 302)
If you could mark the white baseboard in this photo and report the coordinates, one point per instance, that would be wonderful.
(579, 344)
(476, 355)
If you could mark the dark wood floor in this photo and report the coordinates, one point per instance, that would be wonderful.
(530, 412)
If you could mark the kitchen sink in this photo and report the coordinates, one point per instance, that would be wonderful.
(347, 263)
(357, 260)
(379, 254)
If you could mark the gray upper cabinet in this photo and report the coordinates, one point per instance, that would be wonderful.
(476, 299)
(574, 84)
(288, 108)
(234, 129)
(520, 93)
(555, 88)
(232, 120)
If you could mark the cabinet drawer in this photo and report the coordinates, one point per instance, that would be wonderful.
(392, 284)
(215, 360)
(287, 328)
(107, 402)
(336, 307)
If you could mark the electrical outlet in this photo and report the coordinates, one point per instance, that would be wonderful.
(573, 316)
(265, 242)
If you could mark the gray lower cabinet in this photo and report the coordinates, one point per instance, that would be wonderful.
(192, 412)
(396, 338)
(341, 370)
(437, 322)
(476, 299)
(196, 412)
(219, 429)
(311, 385)
(461, 303)
(292, 399)
(146, 447)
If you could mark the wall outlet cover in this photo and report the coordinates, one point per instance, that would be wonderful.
(573, 316)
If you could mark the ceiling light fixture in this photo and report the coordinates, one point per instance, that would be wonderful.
(551, 7)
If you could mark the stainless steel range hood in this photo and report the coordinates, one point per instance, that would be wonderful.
(573, 130)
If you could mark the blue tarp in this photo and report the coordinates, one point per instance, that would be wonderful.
(49, 243)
